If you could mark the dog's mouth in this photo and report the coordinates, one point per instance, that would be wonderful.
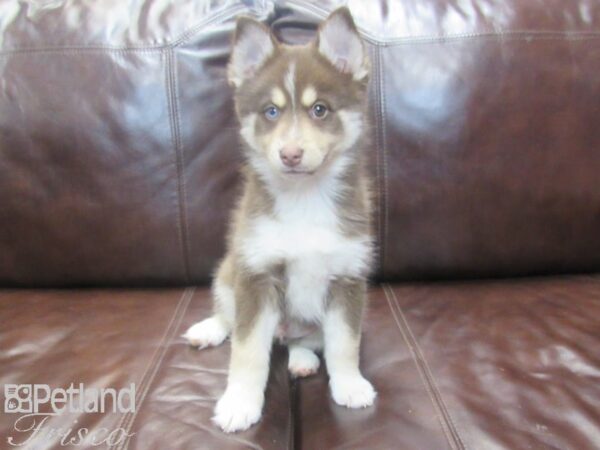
(298, 172)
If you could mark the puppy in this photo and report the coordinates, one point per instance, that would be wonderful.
(300, 246)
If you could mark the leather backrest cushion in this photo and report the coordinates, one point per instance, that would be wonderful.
(119, 150)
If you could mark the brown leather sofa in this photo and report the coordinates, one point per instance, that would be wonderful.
(118, 165)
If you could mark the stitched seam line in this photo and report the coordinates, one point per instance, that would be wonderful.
(292, 414)
(378, 121)
(181, 217)
(223, 14)
(141, 384)
(77, 49)
(181, 170)
(532, 35)
(444, 424)
(322, 13)
(444, 417)
(383, 149)
(525, 35)
(416, 40)
(127, 420)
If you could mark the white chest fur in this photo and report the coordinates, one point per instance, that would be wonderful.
(304, 234)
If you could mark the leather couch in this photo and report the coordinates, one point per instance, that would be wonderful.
(118, 166)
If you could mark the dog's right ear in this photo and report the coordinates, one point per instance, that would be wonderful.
(339, 41)
(252, 46)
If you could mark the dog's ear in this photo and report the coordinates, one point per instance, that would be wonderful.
(338, 40)
(252, 46)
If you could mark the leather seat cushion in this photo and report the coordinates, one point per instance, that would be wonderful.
(482, 365)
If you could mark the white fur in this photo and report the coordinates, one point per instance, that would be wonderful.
(241, 404)
(214, 330)
(238, 408)
(302, 361)
(348, 387)
(312, 341)
(353, 128)
(309, 96)
(305, 229)
(304, 233)
(208, 333)
(352, 391)
(278, 97)
(307, 288)
(289, 82)
(248, 125)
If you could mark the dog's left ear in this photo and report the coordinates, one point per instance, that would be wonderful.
(338, 40)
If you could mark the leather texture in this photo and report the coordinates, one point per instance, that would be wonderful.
(111, 338)
(471, 365)
(118, 137)
(457, 365)
(119, 161)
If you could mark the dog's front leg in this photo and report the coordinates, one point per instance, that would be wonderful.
(256, 318)
(341, 328)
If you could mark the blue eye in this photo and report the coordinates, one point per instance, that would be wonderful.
(271, 112)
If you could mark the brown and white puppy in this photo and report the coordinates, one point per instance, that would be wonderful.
(300, 247)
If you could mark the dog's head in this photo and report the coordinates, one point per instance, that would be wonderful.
(301, 108)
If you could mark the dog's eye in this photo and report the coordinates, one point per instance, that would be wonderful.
(318, 111)
(271, 112)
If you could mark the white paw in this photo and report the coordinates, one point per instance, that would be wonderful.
(302, 362)
(208, 333)
(238, 409)
(352, 391)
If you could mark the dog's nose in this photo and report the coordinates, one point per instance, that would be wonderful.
(291, 156)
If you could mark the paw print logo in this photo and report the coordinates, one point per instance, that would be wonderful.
(17, 398)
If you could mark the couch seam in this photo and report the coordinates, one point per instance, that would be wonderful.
(448, 425)
(222, 14)
(322, 13)
(383, 149)
(292, 415)
(513, 35)
(524, 35)
(378, 120)
(127, 421)
(173, 110)
(81, 49)
(439, 414)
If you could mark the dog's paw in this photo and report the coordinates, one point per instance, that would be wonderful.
(352, 391)
(208, 333)
(302, 362)
(238, 409)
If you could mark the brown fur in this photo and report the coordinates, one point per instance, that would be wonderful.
(349, 294)
(299, 247)
(340, 91)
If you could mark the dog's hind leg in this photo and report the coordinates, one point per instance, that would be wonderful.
(214, 330)
(303, 360)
